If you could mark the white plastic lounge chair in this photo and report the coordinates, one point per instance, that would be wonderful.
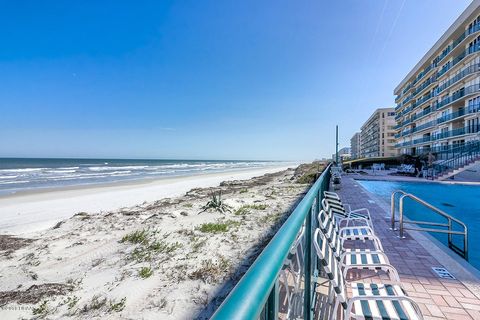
(335, 200)
(293, 271)
(368, 301)
(330, 227)
(346, 216)
(375, 260)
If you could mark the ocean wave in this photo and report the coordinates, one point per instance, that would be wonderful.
(60, 171)
(12, 182)
(23, 170)
(78, 173)
(109, 168)
(87, 175)
(8, 177)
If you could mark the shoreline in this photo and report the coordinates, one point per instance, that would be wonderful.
(174, 258)
(134, 182)
(36, 210)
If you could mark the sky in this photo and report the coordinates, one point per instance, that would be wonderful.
(205, 79)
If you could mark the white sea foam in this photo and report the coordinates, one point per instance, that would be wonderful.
(23, 170)
(107, 168)
(13, 182)
(76, 173)
(60, 171)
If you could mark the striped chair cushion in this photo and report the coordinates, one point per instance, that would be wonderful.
(329, 226)
(364, 257)
(358, 231)
(331, 195)
(340, 210)
(330, 265)
(331, 235)
(381, 309)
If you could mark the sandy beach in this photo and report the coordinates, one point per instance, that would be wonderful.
(29, 212)
(142, 251)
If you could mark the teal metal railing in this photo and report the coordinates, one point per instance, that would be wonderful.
(458, 157)
(257, 294)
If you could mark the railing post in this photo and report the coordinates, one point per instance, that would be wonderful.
(449, 234)
(319, 195)
(392, 207)
(465, 243)
(400, 222)
(307, 302)
(272, 303)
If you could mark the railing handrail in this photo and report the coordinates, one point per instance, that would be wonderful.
(438, 211)
(392, 204)
(247, 299)
(432, 207)
(460, 157)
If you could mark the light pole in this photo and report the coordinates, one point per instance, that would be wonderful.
(336, 145)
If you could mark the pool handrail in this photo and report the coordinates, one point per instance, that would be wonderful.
(392, 207)
(249, 297)
(440, 212)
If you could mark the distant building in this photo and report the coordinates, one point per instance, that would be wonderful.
(438, 101)
(377, 137)
(355, 144)
(343, 154)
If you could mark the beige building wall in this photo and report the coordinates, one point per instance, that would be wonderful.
(355, 145)
(377, 135)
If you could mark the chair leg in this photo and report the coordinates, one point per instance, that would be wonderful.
(333, 314)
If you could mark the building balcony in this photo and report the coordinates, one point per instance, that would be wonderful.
(424, 85)
(444, 54)
(440, 136)
(459, 76)
(457, 59)
(457, 95)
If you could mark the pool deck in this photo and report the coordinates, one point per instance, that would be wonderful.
(414, 257)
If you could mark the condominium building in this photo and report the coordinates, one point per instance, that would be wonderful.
(377, 134)
(438, 101)
(355, 145)
(343, 154)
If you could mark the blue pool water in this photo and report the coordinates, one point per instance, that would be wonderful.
(460, 201)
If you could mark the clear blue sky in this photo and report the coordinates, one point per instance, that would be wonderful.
(196, 79)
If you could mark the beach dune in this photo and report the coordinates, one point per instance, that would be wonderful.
(25, 213)
(139, 251)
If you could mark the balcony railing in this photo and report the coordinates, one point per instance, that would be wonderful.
(432, 123)
(257, 294)
(459, 157)
(442, 135)
(421, 114)
(446, 101)
(424, 84)
(457, 95)
(458, 58)
(422, 140)
(445, 53)
(462, 74)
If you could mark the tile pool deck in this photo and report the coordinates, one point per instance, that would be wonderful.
(438, 298)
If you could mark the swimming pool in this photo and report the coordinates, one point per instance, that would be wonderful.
(460, 201)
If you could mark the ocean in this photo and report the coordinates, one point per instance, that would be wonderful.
(22, 174)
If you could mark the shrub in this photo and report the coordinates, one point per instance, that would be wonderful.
(145, 272)
(136, 237)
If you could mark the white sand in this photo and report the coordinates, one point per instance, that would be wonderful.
(192, 268)
(23, 214)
